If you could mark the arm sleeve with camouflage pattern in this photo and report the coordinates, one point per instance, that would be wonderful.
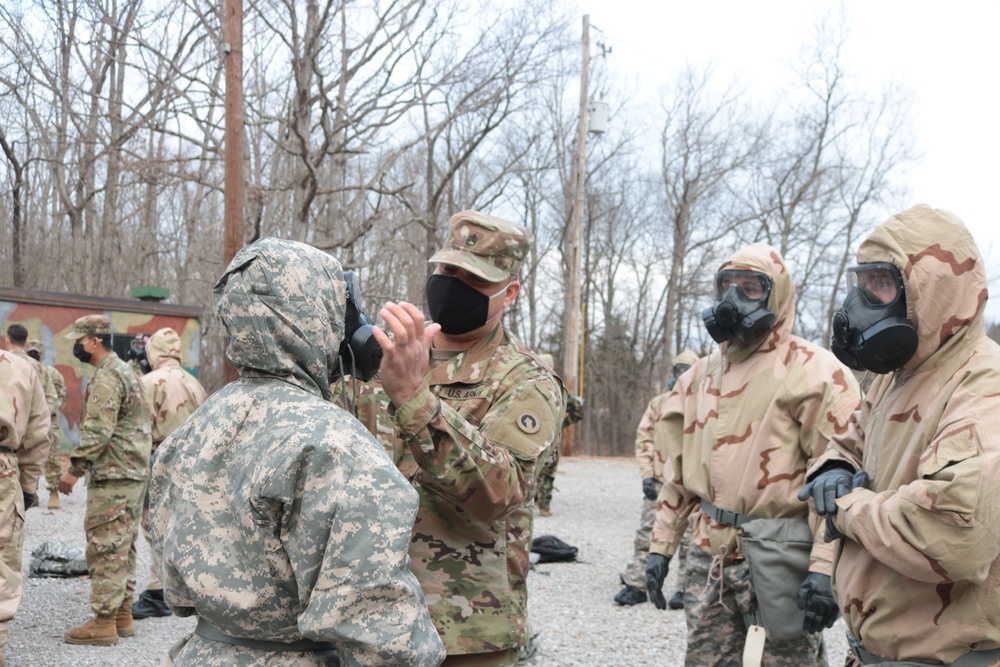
(675, 502)
(34, 449)
(489, 469)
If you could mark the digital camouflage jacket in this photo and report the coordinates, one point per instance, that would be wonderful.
(472, 442)
(917, 574)
(742, 425)
(275, 515)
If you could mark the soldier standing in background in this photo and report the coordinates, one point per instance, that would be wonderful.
(468, 413)
(17, 341)
(279, 521)
(56, 464)
(114, 454)
(913, 489)
(24, 446)
(739, 429)
(172, 395)
(651, 464)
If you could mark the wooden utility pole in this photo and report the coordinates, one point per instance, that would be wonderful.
(571, 340)
(233, 213)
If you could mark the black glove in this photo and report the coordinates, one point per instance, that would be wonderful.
(816, 598)
(826, 487)
(649, 488)
(657, 566)
(29, 499)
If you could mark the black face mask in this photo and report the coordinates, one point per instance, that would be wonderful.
(360, 353)
(457, 307)
(868, 335)
(82, 354)
(736, 317)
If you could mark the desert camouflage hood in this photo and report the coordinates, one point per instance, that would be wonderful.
(286, 303)
(933, 249)
(762, 257)
(163, 346)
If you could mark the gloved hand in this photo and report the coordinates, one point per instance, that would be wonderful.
(816, 598)
(649, 488)
(657, 566)
(29, 499)
(825, 488)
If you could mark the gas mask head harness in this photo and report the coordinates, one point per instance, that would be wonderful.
(870, 331)
(740, 311)
(360, 353)
(137, 352)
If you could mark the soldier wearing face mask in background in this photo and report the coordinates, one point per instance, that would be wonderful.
(739, 430)
(913, 489)
(468, 412)
(651, 471)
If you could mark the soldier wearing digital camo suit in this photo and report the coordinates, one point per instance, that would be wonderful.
(277, 519)
(468, 413)
(913, 489)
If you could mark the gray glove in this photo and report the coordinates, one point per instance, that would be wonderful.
(825, 488)
(815, 596)
(657, 566)
(29, 500)
(649, 488)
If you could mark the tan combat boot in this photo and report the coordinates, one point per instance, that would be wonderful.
(98, 631)
(123, 620)
(54, 500)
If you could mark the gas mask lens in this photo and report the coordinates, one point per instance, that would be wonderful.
(879, 284)
(753, 285)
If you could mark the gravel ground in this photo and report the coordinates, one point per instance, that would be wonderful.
(595, 508)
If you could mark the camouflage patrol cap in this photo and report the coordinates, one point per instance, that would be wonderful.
(35, 345)
(89, 325)
(488, 247)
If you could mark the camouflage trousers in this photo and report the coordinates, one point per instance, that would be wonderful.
(57, 463)
(505, 658)
(11, 543)
(547, 477)
(114, 508)
(715, 601)
(154, 563)
(635, 571)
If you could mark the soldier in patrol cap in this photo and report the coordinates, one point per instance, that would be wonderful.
(471, 413)
(55, 466)
(114, 450)
(24, 444)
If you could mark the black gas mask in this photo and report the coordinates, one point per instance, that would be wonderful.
(360, 353)
(870, 331)
(137, 352)
(740, 312)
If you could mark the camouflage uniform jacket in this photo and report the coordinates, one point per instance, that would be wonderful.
(741, 426)
(59, 385)
(275, 515)
(171, 392)
(24, 422)
(48, 385)
(472, 441)
(917, 575)
(649, 458)
(115, 437)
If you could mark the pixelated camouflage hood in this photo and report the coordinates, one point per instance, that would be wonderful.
(765, 259)
(283, 305)
(943, 275)
(163, 347)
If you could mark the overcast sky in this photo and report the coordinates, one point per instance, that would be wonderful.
(947, 54)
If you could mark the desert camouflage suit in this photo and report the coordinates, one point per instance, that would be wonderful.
(917, 574)
(24, 446)
(114, 455)
(470, 442)
(172, 394)
(739, 429)
(651, 465)
(275, 515)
